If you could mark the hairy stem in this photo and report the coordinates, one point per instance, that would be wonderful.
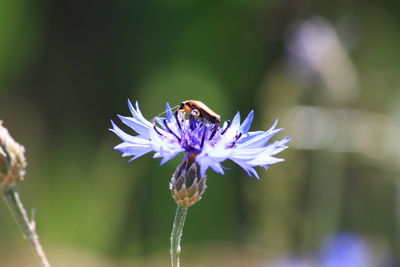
(27, 226)
(176, 235)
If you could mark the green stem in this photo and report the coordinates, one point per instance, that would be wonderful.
(176, 235)
(27, 226)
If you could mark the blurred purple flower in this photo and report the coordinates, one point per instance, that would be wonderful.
(342, 250)
(346, 251)
(209, 143)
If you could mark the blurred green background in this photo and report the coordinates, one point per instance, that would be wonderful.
(328, 70)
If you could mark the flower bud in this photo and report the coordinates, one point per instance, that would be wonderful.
(186, 185)
(12, 160)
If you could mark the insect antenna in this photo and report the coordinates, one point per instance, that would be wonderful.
(171, 109)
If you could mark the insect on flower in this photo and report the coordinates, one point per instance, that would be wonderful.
(201, 137)
(197, 109)
(200, 110)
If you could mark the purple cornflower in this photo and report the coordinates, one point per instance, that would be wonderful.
(342, 250)
(345, 250)
(210, 144)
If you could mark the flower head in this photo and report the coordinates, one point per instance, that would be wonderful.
(186, 185)
(209, 143)
(12, 160)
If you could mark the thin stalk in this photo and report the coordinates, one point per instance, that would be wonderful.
(27, 226)
(176, 235)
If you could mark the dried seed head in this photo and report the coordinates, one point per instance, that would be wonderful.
(186, 185)
(12, 160)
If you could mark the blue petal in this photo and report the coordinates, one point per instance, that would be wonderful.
(248, 136)
(133, 149)
(203, 169)
(170, 156)
(264, 160)
(137, 114)
(205, 162)
(136, 156)
(217, 168)
(281, 145)
(259, 140)
(236, 121)
(248, 168)
(168, 112)
(277, 146)
(137, 126)
(244, 128)
(124, 136)
(273, 125)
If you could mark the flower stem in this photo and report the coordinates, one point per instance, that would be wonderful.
(176, 235)
(27, 226)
